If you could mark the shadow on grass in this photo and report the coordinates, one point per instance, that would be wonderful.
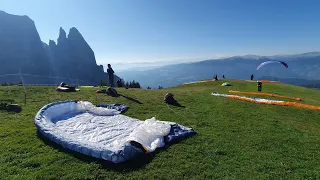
(131, 99)
(134, 164)
(174, 102)
(114, 93)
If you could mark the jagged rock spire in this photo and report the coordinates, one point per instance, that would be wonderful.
(62, 35)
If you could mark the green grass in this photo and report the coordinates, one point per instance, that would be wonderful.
(236, 139)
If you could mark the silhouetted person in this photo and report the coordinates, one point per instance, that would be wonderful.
(215, 77)
(110, 73)
(223, 77)
(259, 86)
(251, 76)
(120, 83)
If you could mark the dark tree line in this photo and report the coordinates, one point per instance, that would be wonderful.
(133, 84)
(130, 84)
(122, 83)
(11, 84)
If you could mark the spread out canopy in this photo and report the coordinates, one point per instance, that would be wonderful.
(272, 61)
(102, 132)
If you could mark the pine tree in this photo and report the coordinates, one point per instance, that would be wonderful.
(138, 85)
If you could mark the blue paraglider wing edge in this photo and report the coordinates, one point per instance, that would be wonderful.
(272, 61)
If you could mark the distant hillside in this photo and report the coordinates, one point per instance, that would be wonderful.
(302, 67)
(21, 51)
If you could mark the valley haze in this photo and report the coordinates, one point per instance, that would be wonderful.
(304, 69)
(71, 59)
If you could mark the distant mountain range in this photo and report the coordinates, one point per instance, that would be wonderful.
(142, 66)
(71, 59)
(304, 69)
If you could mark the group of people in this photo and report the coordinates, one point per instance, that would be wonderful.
(111, 76)
(215, 77)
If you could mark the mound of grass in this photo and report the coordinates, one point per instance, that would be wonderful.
(236, 139)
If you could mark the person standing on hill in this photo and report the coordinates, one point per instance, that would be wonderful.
(110, 73)
(251, 76)
(215, 77)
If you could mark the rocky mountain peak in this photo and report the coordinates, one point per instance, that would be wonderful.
(52, 43)
(62, 35)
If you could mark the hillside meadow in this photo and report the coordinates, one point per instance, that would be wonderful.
(235, 140)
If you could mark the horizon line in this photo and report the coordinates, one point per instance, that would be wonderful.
(187, 60)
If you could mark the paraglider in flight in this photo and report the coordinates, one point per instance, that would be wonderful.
(272, 61)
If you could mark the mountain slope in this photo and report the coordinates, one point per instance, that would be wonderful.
(21, 51)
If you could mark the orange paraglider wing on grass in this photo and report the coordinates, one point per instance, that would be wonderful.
(265, 94)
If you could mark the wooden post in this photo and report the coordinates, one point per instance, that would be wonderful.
(24, 88)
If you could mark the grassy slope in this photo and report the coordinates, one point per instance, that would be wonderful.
(236, 139)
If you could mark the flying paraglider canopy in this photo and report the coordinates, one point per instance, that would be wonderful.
(272, 61)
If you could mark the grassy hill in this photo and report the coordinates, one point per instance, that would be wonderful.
(236, 139)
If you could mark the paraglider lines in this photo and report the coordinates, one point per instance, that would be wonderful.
(265, 94)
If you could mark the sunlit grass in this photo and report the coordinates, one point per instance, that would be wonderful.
(236, 139)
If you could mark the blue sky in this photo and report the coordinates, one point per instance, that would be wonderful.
(162, 30)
